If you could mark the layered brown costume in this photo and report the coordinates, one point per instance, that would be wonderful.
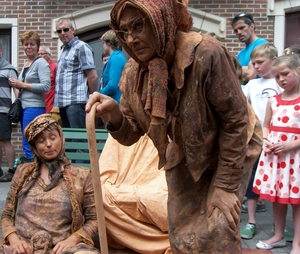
(44, 215)
(198, 119)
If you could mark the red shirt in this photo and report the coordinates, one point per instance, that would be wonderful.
(49, 96)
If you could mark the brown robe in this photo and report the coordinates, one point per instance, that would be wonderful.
(215, 135)
(82, 220)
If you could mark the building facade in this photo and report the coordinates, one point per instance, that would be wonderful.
(274, 19)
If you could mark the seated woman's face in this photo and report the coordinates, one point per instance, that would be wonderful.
(48, 144)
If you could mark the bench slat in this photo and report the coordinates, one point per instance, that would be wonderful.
(80, 145)
(76, 139)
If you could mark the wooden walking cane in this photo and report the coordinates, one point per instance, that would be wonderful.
(91, 134)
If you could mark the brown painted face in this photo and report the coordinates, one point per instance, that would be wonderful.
(48, 144)
(136, 31)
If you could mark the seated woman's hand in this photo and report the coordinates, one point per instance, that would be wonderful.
(20, 246)
(66, 244)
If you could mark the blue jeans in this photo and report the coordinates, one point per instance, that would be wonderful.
(28, 115)
(73, 116)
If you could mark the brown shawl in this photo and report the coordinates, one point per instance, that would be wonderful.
(167, 17)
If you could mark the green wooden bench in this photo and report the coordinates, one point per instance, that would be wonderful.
(76, 145)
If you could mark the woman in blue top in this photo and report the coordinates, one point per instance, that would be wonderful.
(113, 68)
(34, 81)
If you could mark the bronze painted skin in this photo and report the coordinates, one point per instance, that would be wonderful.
(192, 180)
(44, 215)
(186, 96)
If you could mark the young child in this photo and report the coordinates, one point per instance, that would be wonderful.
(258, 91)
(278, 176)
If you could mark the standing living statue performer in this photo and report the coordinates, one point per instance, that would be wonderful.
(180, 87)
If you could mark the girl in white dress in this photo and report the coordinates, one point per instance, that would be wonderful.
(277, 177)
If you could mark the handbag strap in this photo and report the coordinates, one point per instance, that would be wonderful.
(20, 92)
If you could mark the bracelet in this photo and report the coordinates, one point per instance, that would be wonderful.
(266, 139)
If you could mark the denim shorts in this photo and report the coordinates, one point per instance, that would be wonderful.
(5, 133)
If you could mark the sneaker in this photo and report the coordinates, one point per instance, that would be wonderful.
(289, 236)
(7, 177)
(259, 208)
(1, 172)
(248, 231)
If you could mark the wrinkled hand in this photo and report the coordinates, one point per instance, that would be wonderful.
(14, 82)
(20, 246)
(64, 245)
(108, 109)
(282, 147)
(228, 203)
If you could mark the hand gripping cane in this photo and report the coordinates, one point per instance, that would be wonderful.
(91, 134)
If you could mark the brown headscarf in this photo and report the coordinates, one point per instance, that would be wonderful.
(36, 126)
(166, 17)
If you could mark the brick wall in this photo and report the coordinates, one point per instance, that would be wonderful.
(229, 8)
(17, 138)
(37, 15)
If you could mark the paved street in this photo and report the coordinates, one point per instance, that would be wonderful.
(264, 223)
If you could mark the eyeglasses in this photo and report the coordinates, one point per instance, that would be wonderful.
(41, 54)
(59, 31)
(137, 27)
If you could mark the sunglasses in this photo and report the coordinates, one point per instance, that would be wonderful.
(59, 31)
(246, 15)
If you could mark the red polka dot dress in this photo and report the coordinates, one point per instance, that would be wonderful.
(278, 175)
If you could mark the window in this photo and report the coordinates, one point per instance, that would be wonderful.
(5, 40)
(292, 35)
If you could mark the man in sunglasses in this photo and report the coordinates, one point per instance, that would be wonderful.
(244, 29)
(76, 76)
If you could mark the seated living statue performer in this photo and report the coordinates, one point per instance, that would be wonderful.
(50, 204)
(134, 196)
(180, 87)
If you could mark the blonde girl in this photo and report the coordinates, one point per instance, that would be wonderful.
(278, 174)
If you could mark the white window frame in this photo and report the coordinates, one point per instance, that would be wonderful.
(278, 9)
(13, 24)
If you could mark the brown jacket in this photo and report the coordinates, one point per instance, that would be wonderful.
(84, 219)
(211, 120)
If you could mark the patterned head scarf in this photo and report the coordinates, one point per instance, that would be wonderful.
(167, 17)
(36, 126)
